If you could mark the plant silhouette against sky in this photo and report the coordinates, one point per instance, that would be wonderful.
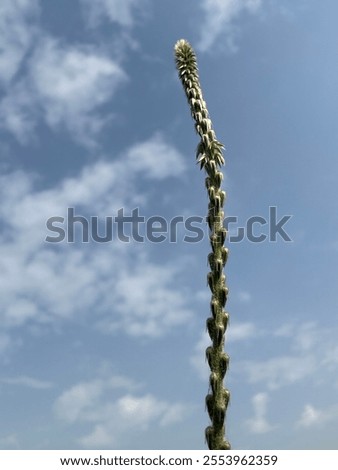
(209, 156)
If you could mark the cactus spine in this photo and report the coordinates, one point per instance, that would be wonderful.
(209, 156)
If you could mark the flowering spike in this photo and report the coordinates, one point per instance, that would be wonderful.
(209, 156)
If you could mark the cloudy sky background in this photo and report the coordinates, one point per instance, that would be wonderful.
(102, 344)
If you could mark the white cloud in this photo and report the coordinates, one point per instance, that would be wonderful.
(10, 441)
(286, 330)
(18, 113)
(244, 297)
(314, 417)
(279, 371)
(139, 410)
(79, 401)
(122, 12)
(82, 400)
(310, 416)
(312, 352)
(64, 86)
(47, 284)
(26, 381)
(112, 414)
(219, 18)
(61, 84)
(103, 186)
(5, 343)
(241, 331)
(17, 29)
(330, 357)
(156, 159)
(71, 83)
(145, 304)
(306, 337)
(99, 438)
(259, 423)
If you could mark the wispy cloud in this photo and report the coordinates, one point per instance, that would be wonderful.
(314, 417)
(26, 381)
(122, 12)
(17, 29)
(19, 112)
(219, 18)
(144, 157)
(279, 371)
(5, 343)
(47, 284)
(312, 352)
(244, 297)
(10, 441)
(153, 307)
(71, 83)
(259, 424)
(241, 331)
(111, 413)
(65, 86)
(46, 79)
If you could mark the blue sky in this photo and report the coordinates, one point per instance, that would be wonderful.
(102, 344)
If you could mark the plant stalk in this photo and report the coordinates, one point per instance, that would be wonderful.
(209, 156)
